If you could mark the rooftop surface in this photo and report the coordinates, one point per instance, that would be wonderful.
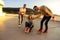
(9, 29)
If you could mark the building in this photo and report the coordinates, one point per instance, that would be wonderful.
(1, 6)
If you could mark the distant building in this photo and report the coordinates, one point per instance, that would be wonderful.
(1, 6)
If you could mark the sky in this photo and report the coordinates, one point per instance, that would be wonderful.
(54, 5)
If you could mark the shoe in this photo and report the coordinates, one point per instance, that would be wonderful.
(40, 31)
(28, 30)
(45, 32)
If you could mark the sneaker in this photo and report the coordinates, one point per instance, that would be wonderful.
(45, 32)
(40, 31)
(28, 30)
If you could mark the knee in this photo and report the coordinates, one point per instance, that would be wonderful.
(41, 21)
(32, 26)
(26, 22)
(46, 23)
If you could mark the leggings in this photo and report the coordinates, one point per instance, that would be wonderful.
(46, 19)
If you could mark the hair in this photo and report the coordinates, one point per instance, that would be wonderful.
(24, 4)
(34, 7)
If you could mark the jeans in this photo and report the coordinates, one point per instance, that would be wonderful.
(46, 19)
(29, 25)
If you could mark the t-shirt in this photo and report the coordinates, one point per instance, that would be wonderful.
(29, 20)
(42, 10)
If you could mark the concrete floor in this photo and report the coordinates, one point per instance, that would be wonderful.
(9, 30)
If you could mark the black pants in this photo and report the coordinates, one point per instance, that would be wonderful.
(20, 18)
(29, 25)
(46, 19)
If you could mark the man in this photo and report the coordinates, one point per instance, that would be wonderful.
(22, 11)
(47, 16)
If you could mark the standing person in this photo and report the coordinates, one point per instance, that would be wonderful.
(22, 11)
(47, 16)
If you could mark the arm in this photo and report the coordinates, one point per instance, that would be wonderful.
(25, 15)
(19, 11)
(36, 16)
(24, 12)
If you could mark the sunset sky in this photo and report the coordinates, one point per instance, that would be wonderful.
(54, 5)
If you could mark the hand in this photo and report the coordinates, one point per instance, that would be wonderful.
(39, 15)
(53, 19)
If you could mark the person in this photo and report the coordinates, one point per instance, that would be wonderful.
(29, 23)
(47, 16)
(22, 12)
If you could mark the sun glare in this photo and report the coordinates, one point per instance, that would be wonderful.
(54, 6)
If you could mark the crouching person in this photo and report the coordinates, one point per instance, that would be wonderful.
(29, 23)
(28, 26)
